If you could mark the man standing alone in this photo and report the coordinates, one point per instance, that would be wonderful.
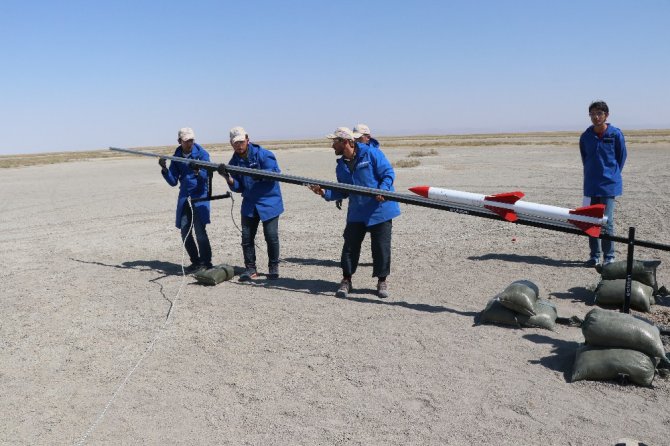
(603, 150)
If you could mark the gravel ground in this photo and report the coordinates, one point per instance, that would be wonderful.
(91, 266)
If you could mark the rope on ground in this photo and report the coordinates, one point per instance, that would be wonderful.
(151, 344)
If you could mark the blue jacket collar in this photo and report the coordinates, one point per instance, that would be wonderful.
(196, 151)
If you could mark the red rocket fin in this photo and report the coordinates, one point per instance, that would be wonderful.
(589, 228)
(505, 197)
(595, 211)
(420, 190)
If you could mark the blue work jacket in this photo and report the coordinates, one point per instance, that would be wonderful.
(190, 184)
(603, 160)
(371, 169)
(262, 196)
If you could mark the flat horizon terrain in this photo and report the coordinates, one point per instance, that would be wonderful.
(91, 268)
(564, 138)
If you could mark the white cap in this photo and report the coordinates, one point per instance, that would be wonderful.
(341, 132)
(238, 134)
(360, 130)
(185, 134)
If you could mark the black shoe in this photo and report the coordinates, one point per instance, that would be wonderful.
(344, 289)
(249, 274)
(592, 263)
(194, 268)
(273, 274)
(382, 290)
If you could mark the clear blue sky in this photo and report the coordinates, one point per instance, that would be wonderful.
(82, 75)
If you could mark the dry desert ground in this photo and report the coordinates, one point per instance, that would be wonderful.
(91, 265)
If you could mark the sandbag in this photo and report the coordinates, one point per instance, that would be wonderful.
(598, 363)
(613, 292)
(545, 316)
(644, 271)
(495, 312)
(214, 275)
(520, 297)
(607, 328)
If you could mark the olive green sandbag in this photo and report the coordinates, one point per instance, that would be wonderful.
(613, 292)
(214, 275)
(545, 316)
(599, 363)
(520, 297)
(495, 312)
(644, 271)
(607, 328)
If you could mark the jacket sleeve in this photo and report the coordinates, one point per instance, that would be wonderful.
(384, 172)
(332, 195)
(267, 161)
(581, 149)
(172, 175)
(620, 150)
(238, 184)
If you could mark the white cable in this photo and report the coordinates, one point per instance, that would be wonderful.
(152, 343)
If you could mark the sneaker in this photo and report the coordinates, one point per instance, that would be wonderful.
(608, 261)
(344, 289)
(194, 268)
(273, 273)
(592, 263)
(382, 290)
(249, 274)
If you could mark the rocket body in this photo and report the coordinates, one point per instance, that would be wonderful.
(510, 207)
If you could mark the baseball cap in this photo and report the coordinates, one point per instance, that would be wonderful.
(341, 132)
(360, 130)
(237, 134)
(186, 133)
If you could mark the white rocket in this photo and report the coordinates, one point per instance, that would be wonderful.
(508, 205)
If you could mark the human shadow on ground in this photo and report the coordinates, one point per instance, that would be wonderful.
(577, 294)
(317, 262)
(166, 268)
(326, 288)
(532, 260)
(562, 357)
(416, 307)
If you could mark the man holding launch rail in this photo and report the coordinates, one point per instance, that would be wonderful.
(261, 201)
(193, 183)
(363, 165)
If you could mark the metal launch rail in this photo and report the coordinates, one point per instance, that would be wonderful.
(415, 200)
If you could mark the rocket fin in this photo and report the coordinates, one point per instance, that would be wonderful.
(505, 197)
(589, 228)
(595, 211)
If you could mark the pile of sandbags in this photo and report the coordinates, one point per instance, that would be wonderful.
(611, 291)
(518, 305)
(618, 346)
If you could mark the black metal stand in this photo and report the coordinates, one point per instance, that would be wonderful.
(209, 196)
(629, 268)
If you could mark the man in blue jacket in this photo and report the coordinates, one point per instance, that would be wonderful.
(261, 201)
(193, 183)
(362, 134)
(363, 165)
(603, 150)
